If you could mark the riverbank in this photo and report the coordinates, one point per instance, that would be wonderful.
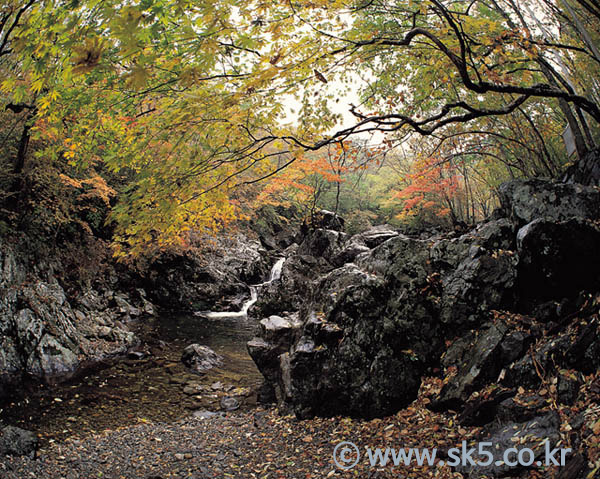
(262, 444)
(259, 444)
(151, 385)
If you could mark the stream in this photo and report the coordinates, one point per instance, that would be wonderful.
(254, 289)
(151, 386)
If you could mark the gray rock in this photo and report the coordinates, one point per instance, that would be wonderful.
(207, 414)
(137, 355)
(322, 375)
(380, 314)
(568, 389)
(481, 280)
(324, 219)
(531, 434)
(525, 409)
(277, 335)
(192, 389)
(322, 243)
(105, 332)
(200, 358)
(524, 372)
(581, 352)
(364, 313)
(481, 364)
(207, 282)
(230, 403)
(289, 293)
(41, 334)
(558, 259)
(279, 330)
(15, 441)
(348, 253)
(525, 201)
(585, 171)
(376, 235)
(123, 306)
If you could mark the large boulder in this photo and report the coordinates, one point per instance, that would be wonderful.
(586, 170)
(200, 359)
(525, 201)
(324, 219)
(389, 310)
(273, 225)
(322, 243)
(362, 349)
(482, 281)
(374, 310)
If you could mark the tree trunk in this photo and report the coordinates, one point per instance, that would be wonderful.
(16, 186)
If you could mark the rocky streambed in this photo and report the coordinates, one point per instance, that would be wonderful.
(91, 355)
(148, 385)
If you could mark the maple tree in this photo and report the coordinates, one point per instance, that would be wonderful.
(326, 179)
(429, 189)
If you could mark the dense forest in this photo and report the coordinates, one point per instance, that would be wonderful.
(224, 223)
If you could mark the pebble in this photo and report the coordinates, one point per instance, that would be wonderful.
(206, 414)
(136, 355)
(230, 404)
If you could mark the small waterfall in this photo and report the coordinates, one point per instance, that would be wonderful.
(273, 276)
(251, 301)
(276, 270)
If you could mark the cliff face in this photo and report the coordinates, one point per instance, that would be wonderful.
(46, 336)
(363, 334)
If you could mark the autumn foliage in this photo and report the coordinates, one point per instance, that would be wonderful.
(183, 107)
(429, 190)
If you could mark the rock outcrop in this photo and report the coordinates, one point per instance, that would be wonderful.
(44, 335)
(214, 279)
(372, 312)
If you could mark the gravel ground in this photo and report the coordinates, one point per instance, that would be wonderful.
(258, 444)
(261, 444)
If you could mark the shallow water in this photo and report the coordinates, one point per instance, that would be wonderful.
(124, 391)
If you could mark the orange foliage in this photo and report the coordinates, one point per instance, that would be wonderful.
(297, 182)
(430, 187)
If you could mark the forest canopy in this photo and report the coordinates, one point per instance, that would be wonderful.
(155, 118)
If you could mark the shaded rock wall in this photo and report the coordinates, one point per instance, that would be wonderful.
(215, 278)
(369, 329)
(46, 336)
